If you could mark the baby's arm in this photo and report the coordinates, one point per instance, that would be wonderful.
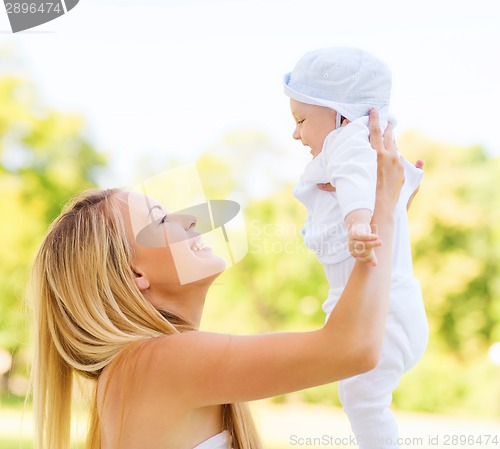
(361, 239)
(352, 168)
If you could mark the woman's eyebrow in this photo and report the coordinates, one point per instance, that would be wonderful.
(152, 209)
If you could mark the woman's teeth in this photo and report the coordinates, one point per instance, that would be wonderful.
(197, 245)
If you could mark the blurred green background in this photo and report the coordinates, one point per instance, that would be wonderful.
(45, 157)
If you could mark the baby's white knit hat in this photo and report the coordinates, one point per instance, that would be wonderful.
(348, 80)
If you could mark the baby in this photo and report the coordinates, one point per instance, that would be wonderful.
(331, 93)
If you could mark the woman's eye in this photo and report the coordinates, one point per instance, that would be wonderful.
(299, 122)
(163, 219)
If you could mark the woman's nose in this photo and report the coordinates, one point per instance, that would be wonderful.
(296, 134)
(189, 221)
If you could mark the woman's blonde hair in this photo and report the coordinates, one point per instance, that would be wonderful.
(87, 310)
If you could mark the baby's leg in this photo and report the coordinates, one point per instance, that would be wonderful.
(366, 398)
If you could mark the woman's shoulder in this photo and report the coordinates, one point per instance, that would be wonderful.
(143, 373)
(142, 393)
(135, 363)
(164, 362)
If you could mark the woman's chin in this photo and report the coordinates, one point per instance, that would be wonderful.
(210, 276)
(207, 269)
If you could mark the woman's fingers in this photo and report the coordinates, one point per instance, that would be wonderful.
(376, 139)
(389, 143)
(326, 187)
(390, 171)
(419, 164)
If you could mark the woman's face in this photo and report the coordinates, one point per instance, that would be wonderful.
(167, 248)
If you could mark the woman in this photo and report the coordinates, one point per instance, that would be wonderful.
(107, 308)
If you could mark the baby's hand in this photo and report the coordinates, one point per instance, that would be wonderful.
(362, 242)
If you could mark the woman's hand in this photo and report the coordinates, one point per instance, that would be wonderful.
(387, 158)
(390, 170)
(326, 187)
(390, 178)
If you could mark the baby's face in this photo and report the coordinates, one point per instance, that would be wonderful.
(313, 124)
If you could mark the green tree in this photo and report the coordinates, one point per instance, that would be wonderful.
(45, 159)
(456, 235)
(279, 284)
(454, 220)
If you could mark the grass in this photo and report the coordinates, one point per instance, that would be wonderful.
(281, 425)
(16, 443)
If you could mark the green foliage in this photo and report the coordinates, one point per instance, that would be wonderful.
(44, 160)
(454, 220)
(279, 280)
(445, 384)
(279, 285)
(456, 234)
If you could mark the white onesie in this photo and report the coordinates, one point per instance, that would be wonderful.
(349, 163)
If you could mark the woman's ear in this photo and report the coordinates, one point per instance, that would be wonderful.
(141, 281)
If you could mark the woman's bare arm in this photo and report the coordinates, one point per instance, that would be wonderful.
(200, 368)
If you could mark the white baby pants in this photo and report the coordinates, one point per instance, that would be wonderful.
(366, 398)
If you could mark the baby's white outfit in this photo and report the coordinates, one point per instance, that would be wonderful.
(349, 163)
(219, 441)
